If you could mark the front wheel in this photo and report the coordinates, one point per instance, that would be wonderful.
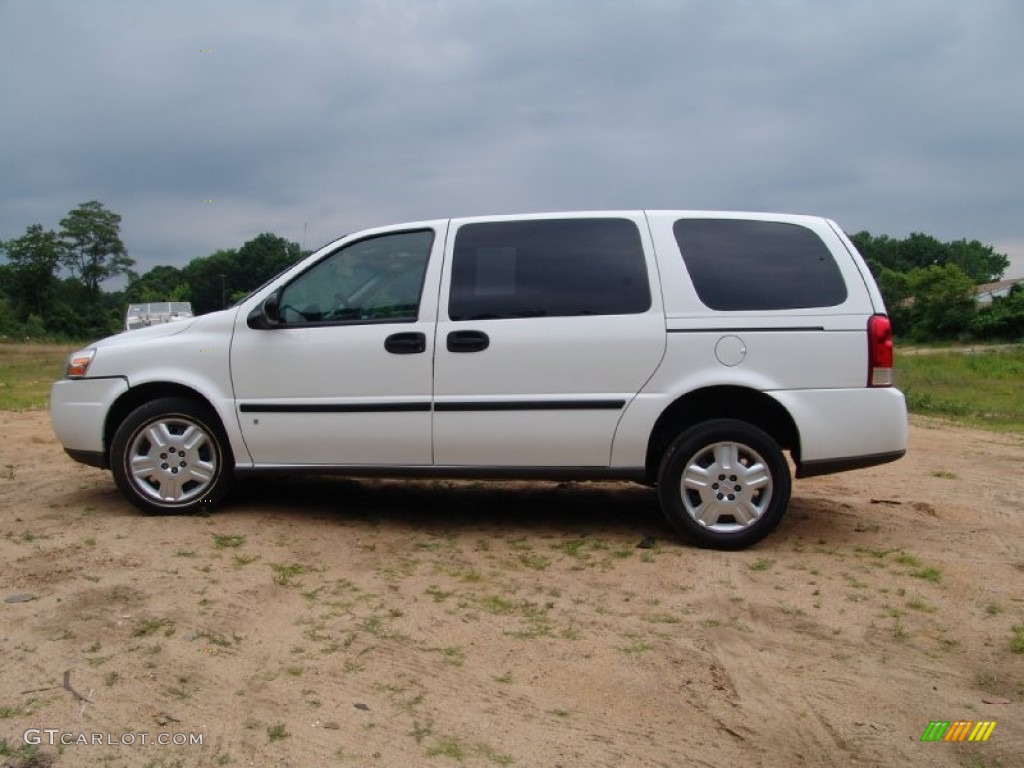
(724, 484)
(170, 456)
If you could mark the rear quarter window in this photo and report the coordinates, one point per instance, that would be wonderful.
(738, 264)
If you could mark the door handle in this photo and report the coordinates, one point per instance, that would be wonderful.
(405, 343)
(468, 341)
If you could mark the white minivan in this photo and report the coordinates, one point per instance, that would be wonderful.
(683, 349)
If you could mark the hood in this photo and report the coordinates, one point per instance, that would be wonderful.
(144, 334)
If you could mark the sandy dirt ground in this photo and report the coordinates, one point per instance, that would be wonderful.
(383, 623)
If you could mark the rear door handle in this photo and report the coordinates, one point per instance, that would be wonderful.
(406, 343)
(468, 341)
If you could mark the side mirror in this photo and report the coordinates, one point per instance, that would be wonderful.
(267, 315)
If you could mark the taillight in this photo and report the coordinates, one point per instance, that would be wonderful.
(879, 351)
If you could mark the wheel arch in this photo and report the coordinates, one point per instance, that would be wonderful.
(721, 402)
(144, 393)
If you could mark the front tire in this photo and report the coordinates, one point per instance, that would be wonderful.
(171, 456)
(724, 484)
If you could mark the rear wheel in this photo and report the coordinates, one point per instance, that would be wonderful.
(724, 484)
(171, 456)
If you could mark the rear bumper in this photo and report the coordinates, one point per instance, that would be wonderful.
(843, 429)
(831, 466)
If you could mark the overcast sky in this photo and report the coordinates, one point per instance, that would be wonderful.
(315, 118)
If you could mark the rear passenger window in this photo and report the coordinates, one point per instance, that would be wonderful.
(548, 268)
(750, 265)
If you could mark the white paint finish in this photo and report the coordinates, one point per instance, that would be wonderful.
(327, 439)
(78, 409)
(336, 365)
(774, 360)
(197, 357)
(331, 366)
(818, 375)
(556, 358)
(840, 423)
(524, 438)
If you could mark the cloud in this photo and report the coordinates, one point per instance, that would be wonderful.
(888, 117)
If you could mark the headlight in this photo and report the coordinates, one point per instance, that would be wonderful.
(78, 363)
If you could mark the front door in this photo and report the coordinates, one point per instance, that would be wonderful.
(345, 377)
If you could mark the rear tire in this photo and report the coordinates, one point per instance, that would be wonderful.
(171, 456)
(724, 484)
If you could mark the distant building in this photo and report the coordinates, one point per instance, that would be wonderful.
(983, 294)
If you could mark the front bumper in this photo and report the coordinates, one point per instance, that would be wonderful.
(78, 413)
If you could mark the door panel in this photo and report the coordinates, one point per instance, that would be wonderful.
(546, 387)
(346, 377)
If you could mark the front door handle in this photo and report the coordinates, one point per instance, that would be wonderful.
(468, 341)
(405, 343)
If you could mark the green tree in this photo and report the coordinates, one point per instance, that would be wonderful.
(896, 292)
(31, 274)
(79, 313)
(161, 283)
(93, 251)
(266, 255)
(226, 274)
(978, 261)
(943, 302)
(879, 252)
(9, 325)
(1003, 318)
(211, 277)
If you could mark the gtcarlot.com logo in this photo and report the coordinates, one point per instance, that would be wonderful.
(958, 730)
(54, 736)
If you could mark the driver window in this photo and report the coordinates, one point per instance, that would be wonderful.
(377, 279)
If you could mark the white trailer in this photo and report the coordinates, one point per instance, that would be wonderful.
(156, 313)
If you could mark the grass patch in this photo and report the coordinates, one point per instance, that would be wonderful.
(284, 575)
(636, 646)
(25, 756)
(919, 604)
(228, 540)
(489, 753)
(1017, 641)
(933, 575)
(152, 626)
(448, 746)
(454, 656)
(907, 559)
(23, 710)
(26, 373)
(497, 605)
(978, 388)
(535, 561)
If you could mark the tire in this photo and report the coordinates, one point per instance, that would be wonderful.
(171, 456)
(724, 484)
